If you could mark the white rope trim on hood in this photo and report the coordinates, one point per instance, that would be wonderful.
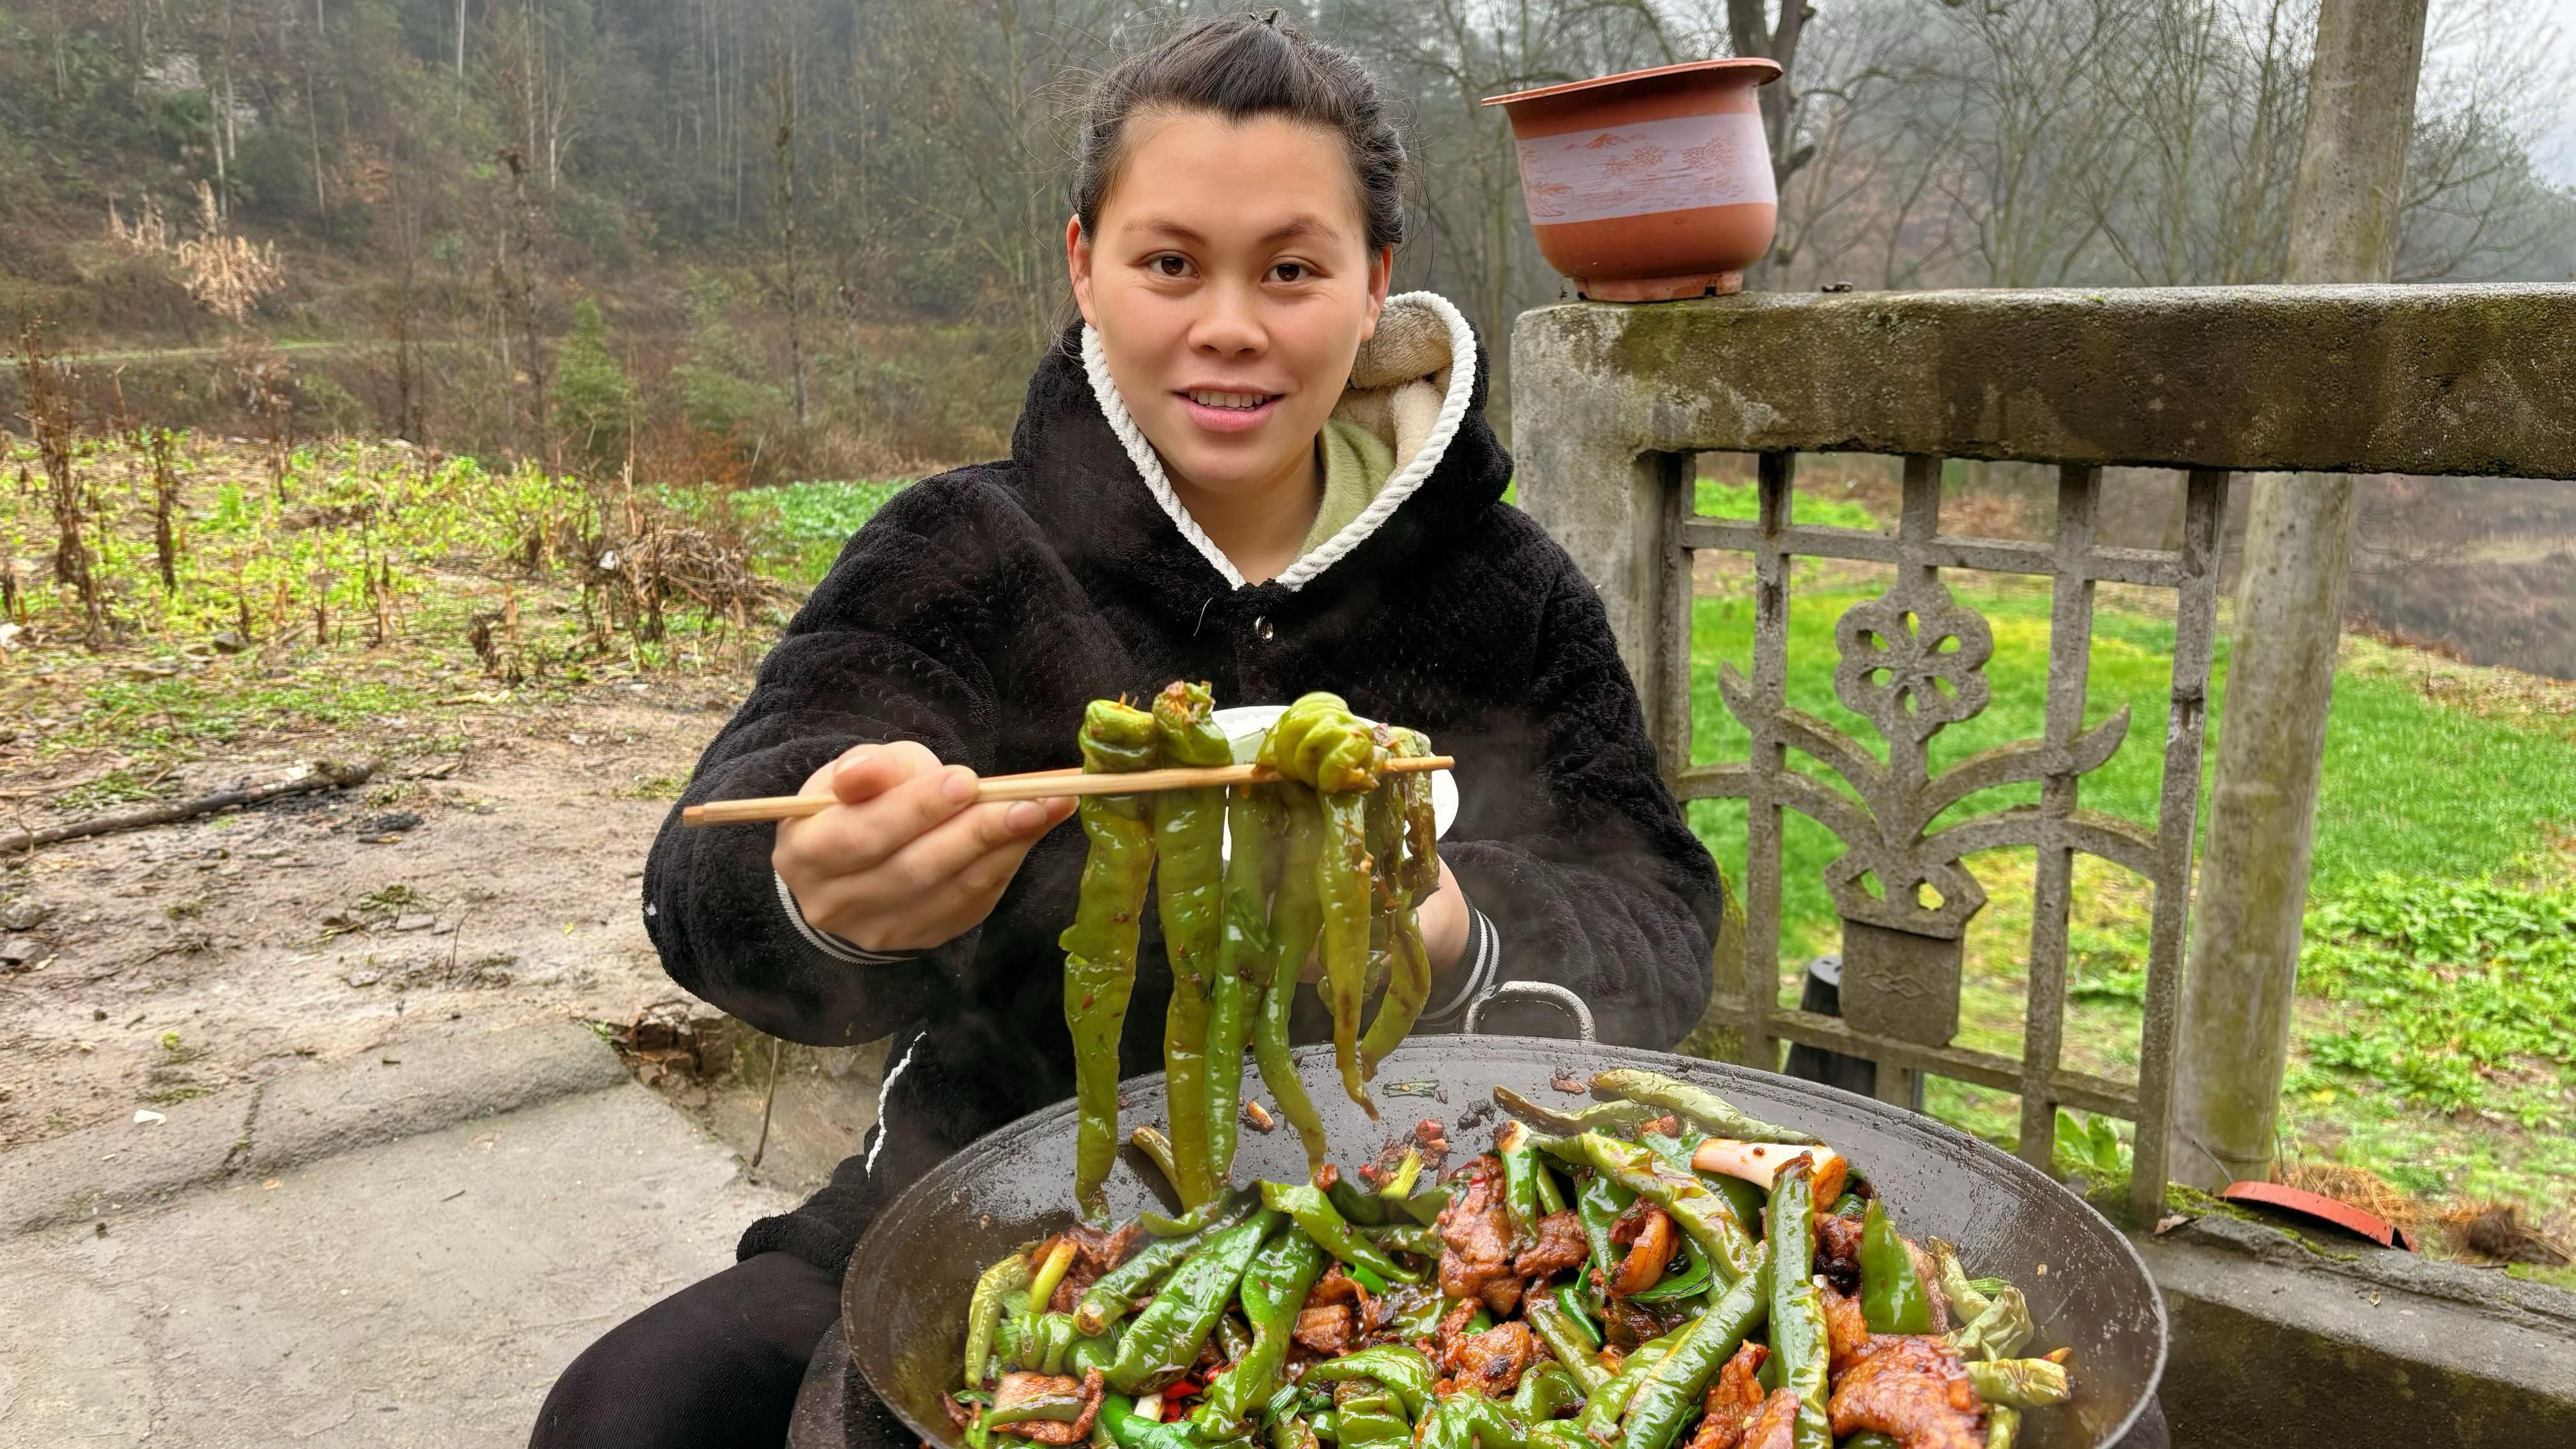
(1405, 482)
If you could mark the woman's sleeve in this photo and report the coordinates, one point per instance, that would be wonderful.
(1586, 871)
(890, 647)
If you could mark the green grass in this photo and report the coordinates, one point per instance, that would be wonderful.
(803, 525)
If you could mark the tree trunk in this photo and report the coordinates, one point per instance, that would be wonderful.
(2237, 1002)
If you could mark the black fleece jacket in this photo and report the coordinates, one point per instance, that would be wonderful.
(978, 613)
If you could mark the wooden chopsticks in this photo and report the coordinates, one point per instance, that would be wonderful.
(1037, 785)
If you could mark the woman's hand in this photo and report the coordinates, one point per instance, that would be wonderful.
(905, 861)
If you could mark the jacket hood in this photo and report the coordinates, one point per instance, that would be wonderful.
(1419, 384)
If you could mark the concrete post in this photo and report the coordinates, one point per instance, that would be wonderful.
(2289, 614)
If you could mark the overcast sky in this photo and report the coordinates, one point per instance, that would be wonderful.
(2555, 153)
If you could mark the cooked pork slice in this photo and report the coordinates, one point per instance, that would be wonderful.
(1325, 1329)
(1560, 1246)
(1734, 1401)
(1846, 1328)
(1775, 1427)
(1493, 1361)
(1911, 1388)
(1838, 1251)
(1475, 1233)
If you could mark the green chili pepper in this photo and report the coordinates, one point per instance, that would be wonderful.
(2020, 1383)
(1369, 1420)
(1106, 1300)
(1291, 1432)
(1851, 1205)
(1090, 1353)
(1362, 1209)
(1406, 1238)
(1570, 1298)
(1367, 1278)
(1164, 1340)
(1274, 1289)
(1869, 1439)
(2003, 1426)
(1892, 1297)
(1426, 1206)
(1485, 1424)
(1314, 1212)
(1598, 1202)
(1189, 890)
(1569, 1336)
(1692, 1281)
(1696, 1208)
(1115, 1410)
(1968, 1301)
(1601, 1411)
(1999, 1331)
(1561, 1434)
(1320, 743)
(1551, 1195)
(1546, 1390)
(1698, 1106)
(1100, 945)
(984, 1311)
(1256, 827)
(1327, 1425)
(1052, 1336)
(1404, 1372)
(1402, 837)
(1233, 1338)
(1296, 916)
(1797, 1312)
(1157, 1149)
(1444, 1428)
(1619, 1119)
(1520, 1178)
(1674, 1386)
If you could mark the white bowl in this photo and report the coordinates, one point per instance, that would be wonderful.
(1245, 724)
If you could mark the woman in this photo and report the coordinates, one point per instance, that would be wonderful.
(1248, 465)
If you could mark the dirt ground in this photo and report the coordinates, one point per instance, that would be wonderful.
(492, 883)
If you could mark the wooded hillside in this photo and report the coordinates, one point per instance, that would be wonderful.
(741, 236)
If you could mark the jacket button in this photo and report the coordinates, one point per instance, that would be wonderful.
(1261, 630)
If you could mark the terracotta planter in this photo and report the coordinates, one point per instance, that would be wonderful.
(1653, 185)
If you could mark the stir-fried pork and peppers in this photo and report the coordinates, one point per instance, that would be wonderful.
(1652, 1270)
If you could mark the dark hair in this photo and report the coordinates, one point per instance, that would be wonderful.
(1241, 66)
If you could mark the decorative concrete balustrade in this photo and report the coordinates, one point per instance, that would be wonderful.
(1611, 403)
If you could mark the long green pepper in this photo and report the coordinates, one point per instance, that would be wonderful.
(1315, 1213)
(1696, 1208)
(1256, 828)
(1165, 1339)
(1402, 838)
(1296, 916)
(1698, 1106)
(1797, 1310)
(1274, 1290)
(1189, 888)
(1100, 946)
(1674, 1386)
(1320, 743)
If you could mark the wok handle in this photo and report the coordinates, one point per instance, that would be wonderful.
(1547, 991)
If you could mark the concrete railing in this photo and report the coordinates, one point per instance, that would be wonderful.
(1610, 403)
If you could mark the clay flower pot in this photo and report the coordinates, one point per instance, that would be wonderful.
(1653, 185)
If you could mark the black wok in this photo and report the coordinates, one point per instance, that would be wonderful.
(904, 1301)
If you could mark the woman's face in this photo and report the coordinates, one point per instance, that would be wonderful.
(1231, 282)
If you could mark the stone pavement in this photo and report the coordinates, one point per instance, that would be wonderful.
(420, 1290)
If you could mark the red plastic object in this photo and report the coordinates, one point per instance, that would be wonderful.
(2322, 1208)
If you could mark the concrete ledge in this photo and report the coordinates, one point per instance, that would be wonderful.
(2285, 1346)
(2406, 379)
(415, 1085)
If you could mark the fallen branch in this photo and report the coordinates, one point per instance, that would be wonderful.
(324, 775)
